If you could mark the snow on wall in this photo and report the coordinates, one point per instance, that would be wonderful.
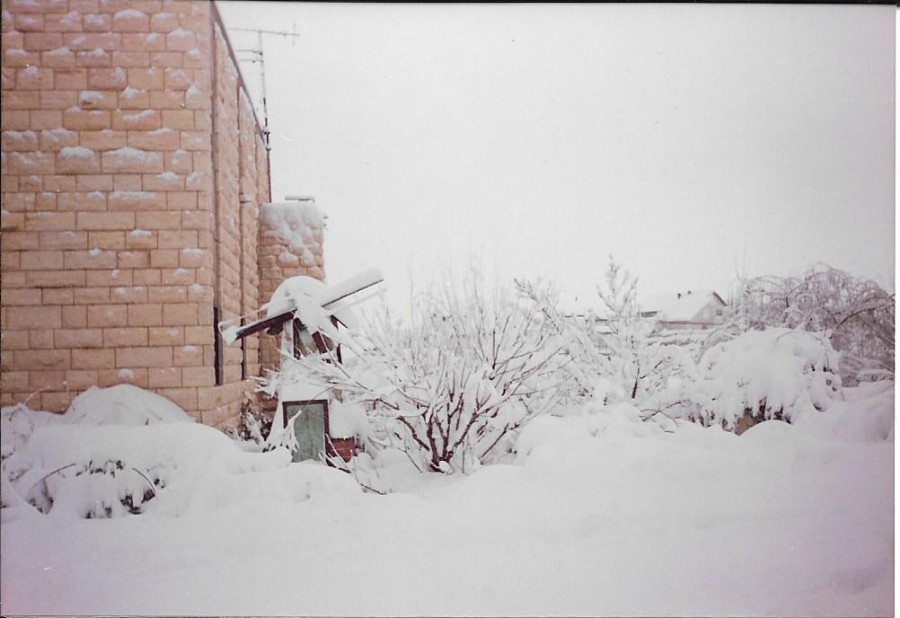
(294, 223)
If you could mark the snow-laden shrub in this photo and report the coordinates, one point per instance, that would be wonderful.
(118, 451)
(856, 312)
(453, 385)
(777, 373)
(618, 355)
(98, 471)
(123, 404)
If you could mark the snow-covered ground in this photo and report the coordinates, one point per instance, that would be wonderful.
(597, 514)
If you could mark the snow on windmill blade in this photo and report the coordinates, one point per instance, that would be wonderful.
(351, 286)
(307, 299)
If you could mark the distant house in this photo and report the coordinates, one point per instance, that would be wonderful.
(685, 310)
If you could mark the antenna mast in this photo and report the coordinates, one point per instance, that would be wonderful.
(256, 55)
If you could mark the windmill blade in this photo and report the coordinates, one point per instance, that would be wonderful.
(328, 298)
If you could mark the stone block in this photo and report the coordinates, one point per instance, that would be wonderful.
(134, 260)
(42, 41)
(130, 20)
(81, 379)
(106, 139)
(71, 79)
(107, 316)
(95, 59)
(144, 357)
(57, 296)
(129, 294)
(89, 41)
(109, 278)
(91, 259)
(78, 338)
(141, 239)
(125, 337)
(125, 160)
(62, 240)
(105, 221)
(95, 182)
(166, 335)
(91, 296)
(93, 359)
(41, 260)
(180, 314)
(144, 41)
(107, 240)
(136, 200)
(163, 139)
(77, 119)
(74, 316)
(148, 314)
(42, 360)
(148, 276)
(165, 377)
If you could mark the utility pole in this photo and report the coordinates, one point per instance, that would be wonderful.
(257, 56)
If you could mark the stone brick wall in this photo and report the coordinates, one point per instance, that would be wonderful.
(115, 246)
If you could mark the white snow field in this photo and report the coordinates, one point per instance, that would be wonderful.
(595, 514)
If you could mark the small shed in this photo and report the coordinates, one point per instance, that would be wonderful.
(307, 314)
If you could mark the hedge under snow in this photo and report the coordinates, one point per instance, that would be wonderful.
(119, 450)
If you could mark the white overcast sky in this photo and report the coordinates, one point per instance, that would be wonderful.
(693, 142)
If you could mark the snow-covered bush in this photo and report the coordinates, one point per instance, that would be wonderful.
(652, 374)
(253, 424)
(618, 356)
(777, 373)
(857, 312)
(453, 385)
(123, 404)
(113, 453)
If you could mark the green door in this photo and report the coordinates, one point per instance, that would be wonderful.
(309, 429)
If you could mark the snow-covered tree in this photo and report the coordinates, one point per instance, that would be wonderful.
(618, 355)
(650, 372)
(454, 384)
(857, 312)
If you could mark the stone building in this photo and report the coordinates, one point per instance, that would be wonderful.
(134, 169)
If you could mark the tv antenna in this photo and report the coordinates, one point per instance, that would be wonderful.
(257, 56)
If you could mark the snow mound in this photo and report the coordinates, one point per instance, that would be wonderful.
(106, 470)
(123, 404)
(165, 470)
(866, 415)
(123, 450)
